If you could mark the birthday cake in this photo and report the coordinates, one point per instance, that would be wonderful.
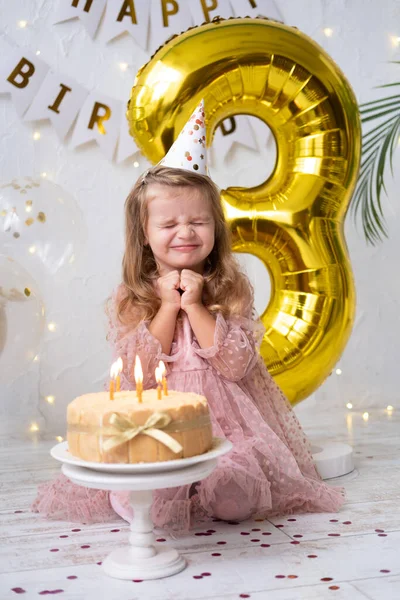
(124, 430)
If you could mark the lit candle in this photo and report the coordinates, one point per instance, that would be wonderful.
(119, 368)
(138, 373)
(159, 382)
(115, 370)
(164, 377)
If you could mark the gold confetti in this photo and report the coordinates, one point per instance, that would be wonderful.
(22, 192)
(29, 221)
(41, 217)
(27, 292)
(28, 203)
(3, 213)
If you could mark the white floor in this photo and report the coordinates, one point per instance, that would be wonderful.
(352, 555)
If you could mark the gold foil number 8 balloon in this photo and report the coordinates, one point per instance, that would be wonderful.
(293, 222)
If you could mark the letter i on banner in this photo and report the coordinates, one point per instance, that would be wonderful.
(59, 99)
(206, 10)
(131, 16)
(99, 120)
(87, 11)
(253, 8)
(21, 75)
(168, 17)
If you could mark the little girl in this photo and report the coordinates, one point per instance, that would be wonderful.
(185, 301)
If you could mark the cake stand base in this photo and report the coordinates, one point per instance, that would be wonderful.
(122, 565)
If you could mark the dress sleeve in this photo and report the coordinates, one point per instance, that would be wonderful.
(235, 349)
(127, 342)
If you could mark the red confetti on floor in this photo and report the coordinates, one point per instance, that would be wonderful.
(280, 576)
(221, 543)
(384, 571)
(334, 587)
(326, 578)
(74, 530)
(292, 576)
(115, 530)
(54, 550)
(346, 522)
(18, 590)
(85, 546)
(206, 574)
(265, 545)
(379, 530)
(216, 554)
(292, 519)
(312, 555)
(244, 596)
(72, 577)
(137, 580)
(161, 540)
(63, 536)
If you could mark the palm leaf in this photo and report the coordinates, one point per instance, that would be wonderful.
(378, 147)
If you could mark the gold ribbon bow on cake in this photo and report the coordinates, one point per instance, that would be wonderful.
(153, 426)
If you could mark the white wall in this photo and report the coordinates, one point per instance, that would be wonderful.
(76, 358)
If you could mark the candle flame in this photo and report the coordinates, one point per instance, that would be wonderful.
(162, 368)
(158, 375)
(138, 373)
(116, 368)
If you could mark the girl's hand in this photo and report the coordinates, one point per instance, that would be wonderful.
(168, 286)
(192, 285)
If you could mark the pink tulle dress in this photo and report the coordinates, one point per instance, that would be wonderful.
(268, 472)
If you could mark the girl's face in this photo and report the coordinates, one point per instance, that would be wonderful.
(180, 227)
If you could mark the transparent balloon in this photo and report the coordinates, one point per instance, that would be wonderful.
(41, 225)
(22, 319)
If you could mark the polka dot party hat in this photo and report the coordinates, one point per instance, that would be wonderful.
(189, 149)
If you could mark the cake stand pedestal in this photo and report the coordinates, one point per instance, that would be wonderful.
(141, 559)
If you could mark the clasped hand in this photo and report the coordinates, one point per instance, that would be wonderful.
(190, 282)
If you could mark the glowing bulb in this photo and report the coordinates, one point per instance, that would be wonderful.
(50, 399)
(36, 359)
(328, 31)
(22, 24)
(366, 416)
(51, 326)
(32, 249)
(59, 438)
(44, 174)
(123, 66)
(389, 408)
(34, 427)
(395, 40)
(136, 164)
(338, 371)
(36, 135)
(28, 208)
(37, 52)
(349, 405)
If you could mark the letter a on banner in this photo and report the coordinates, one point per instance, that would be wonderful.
(131, 16)
(87, 11)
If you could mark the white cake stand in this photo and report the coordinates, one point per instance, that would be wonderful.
(141, 559)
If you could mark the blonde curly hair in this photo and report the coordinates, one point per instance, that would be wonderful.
(226, 290)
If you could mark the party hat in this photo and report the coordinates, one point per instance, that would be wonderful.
(189, 149)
